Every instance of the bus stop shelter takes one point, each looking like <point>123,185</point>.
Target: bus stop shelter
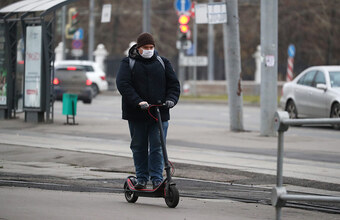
<point>32,21</point>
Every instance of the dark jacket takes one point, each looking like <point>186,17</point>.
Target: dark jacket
<point>147,81</point>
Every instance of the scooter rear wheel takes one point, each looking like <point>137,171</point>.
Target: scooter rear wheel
<point>172,199</point>
<point>129,195</point>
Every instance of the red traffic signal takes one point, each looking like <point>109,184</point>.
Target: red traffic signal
<point>183,19</point>
<point>184,28</point>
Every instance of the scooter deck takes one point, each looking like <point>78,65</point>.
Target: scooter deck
<point>158,192</point>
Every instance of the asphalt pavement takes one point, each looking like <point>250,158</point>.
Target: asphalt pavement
<point>95,153</point>
<point>30,203</point>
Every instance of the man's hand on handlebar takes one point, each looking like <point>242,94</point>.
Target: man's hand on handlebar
<point>169,104</point>
<point>144,105</point>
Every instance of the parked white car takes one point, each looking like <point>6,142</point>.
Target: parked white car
<point>313,93</point>
<point>93,72</point>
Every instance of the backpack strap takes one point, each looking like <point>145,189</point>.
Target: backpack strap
<point>161,61</point>
<point>133,61</point>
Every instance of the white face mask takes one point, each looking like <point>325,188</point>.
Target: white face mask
<point>147,53</point>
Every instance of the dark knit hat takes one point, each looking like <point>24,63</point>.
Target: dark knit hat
<point>144,39</point>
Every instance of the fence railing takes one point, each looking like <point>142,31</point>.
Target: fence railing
<point>279,193</point>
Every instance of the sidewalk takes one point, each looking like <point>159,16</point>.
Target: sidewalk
<point>75,205</point>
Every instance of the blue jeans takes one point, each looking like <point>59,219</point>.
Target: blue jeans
<point>147,149</point>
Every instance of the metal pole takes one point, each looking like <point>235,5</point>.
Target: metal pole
<point>194,89</point>
<point>232,57</point>
<point>63,24</point>
<point>269,39</point>
<point>146,16</point>
<point>278,210</point>
<point>315,198</point>
<point>312,121</point>
<point>181,70</point>
<point>211,39</point>
<point>279,179</point>
<point>91,31</point>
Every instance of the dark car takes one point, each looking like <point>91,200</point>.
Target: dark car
<point>72,80</point>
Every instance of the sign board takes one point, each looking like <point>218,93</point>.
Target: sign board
<point>32,94</point>
<point>106,13</point>
<point>77,44</point>
<point>194,61</point>
<point>217,13</point>
<point>291,50</point>
<point>77,52</point>
<point>270,60</point>
<point>79,34</point>
<point>201,12</point>
<point>182,5</point>
<point>212,13</point>
<point>186,44</point>
<point>3,69</point>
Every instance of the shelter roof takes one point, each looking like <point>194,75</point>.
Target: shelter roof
<point>45,6</point>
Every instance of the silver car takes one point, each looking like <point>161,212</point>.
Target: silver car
<point>313,93</point>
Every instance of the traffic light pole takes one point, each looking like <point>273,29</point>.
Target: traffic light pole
<point>181,69</point>
<point>194,89</point>
<point>91,31</point>
<point>63,32</point>
<point>211,49</point>
<point>146,16</point>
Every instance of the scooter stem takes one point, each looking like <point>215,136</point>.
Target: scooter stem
<point>165,154</point>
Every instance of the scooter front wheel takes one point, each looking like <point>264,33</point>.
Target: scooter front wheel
<point>172,198</point>
<point>129,195</point>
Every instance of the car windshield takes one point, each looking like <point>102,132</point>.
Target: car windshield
<point>335,78</point>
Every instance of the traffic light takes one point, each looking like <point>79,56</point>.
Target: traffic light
<point>72,21</point>
<point>183,21</point>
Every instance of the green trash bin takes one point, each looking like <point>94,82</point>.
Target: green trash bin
<point>70,106</point>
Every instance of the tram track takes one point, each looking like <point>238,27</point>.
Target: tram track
<point>188,188</point>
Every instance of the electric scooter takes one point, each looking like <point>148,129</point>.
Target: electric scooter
<point>167,189</point>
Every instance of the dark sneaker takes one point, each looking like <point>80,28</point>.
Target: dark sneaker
<point>156,183</point>
<point>141,184</point>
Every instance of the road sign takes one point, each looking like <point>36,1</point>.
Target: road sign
<point>290,61</point>
<point>79,34</point>
<point>77,44</point>
<point>217,13</point>
<point>106,13</point>
<point>182,5</point>
<point>77,52</point>
<point>186,44</point>
<point>201,13</point>
<point>192,9</point>
<point>190,51</point>
<point>291,50</point>
<point>212,13</point>
<point>194,61</point>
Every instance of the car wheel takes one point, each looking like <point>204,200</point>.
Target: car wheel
<point>335,113</point>
<point>87,101</point>
<point>291,109</point>
<point>95,89</point>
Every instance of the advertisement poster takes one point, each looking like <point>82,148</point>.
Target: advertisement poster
<point>33,67</point>
<point>3,71</point>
